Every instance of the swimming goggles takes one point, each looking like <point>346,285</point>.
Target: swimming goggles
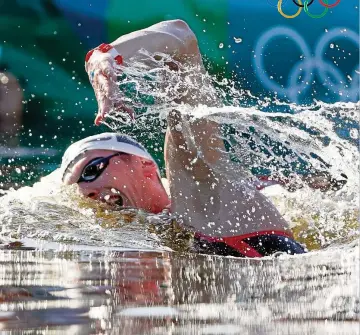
<point>96,167</point>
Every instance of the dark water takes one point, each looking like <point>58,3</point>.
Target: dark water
<point>149,292</point>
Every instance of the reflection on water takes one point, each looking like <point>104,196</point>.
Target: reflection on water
<point>147,292</point>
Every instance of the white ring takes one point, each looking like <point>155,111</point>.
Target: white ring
<point>309,63</point>
<point>259,61</point>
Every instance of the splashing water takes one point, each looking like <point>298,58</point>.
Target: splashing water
<point>310,134</point>
<point>266,137</point>
<point>56,213</point>
<point>263,137</point>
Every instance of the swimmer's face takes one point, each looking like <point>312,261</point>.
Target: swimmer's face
<point>127,180</point>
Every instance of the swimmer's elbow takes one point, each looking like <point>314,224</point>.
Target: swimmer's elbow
<point>186,35</point>
<point>178,23</point>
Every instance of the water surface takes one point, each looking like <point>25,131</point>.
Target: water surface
<point>159,292</point>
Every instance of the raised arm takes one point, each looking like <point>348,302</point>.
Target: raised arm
<point>173,38</point>
<point>190,147</point>
<point>176,39</point>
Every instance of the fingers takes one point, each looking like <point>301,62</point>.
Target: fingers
<point>119,106</point>
<point>102,76</point>
<point>101,97</point>
<point>106,89</point>
<point>107,68</point>
<point>107,101</point>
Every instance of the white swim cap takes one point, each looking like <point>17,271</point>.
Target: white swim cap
<point>104,141</point>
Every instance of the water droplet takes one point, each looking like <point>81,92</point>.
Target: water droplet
<point>237,39</point>
<point>221,45</point>
<point>4,79</point>
<point>354,133</point>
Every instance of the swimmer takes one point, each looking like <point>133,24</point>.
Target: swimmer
<point>229,217</point>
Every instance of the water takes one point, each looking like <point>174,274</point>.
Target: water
<point>148,292</point>
<point>70,265</point>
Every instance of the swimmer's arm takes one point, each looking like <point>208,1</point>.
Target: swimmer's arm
<point>174,38</point>
<point>193,146</point>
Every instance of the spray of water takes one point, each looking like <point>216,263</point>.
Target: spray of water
<point>265,136</point>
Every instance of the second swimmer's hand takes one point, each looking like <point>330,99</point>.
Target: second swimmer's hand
<point>101,69</point>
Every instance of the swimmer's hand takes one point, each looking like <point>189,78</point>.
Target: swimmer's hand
<point>319,180</point>
<point>324,181</point>
<point>101,69</point>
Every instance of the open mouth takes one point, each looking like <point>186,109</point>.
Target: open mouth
<point>116,198</point>
<point>119,202</point>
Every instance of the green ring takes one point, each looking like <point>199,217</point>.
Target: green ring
<point>313,15</point>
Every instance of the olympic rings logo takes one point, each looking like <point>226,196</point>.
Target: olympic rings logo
<point>305,6</point>
<point>312,64</point>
